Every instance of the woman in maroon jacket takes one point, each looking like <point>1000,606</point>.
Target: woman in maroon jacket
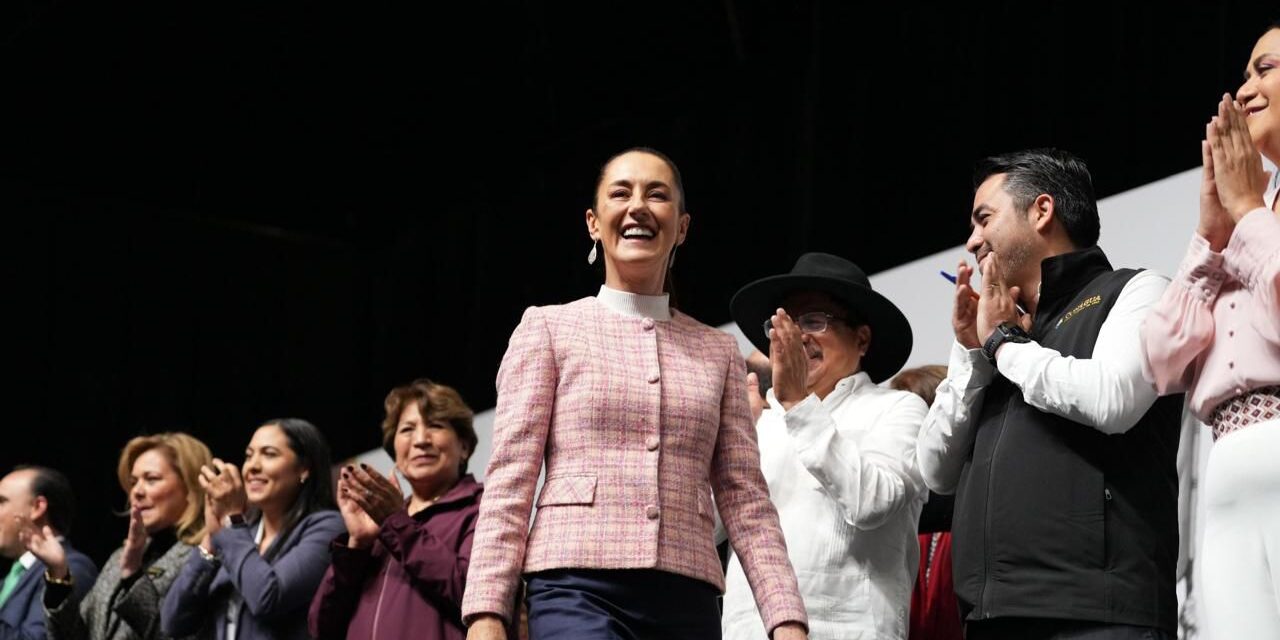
<point>400,570</point>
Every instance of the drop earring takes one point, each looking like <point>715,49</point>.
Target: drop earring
<point>591,257</point>
<point>672,262</point>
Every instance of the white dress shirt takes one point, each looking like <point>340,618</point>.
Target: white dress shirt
<point>1106,392</point>
<point>842,473</point>
<point>27,559</point>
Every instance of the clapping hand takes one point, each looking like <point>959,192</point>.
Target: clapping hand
<point>997,303</point>
<point>224,492</point>
<point>361,529</point>
<point>964,315</point>
<point>376,495</point>
<point>134,544</point>
<point>790,362</point>
<point>44,545</point>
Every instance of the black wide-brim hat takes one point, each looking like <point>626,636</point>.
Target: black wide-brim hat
<point>848,284</point>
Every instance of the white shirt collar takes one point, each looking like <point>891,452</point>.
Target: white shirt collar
<point>635,305</point>
<point>26,560</point>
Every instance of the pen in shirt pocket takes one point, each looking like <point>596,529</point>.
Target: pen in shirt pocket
<point>952,279</point>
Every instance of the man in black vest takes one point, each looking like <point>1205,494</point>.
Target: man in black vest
<point>1060,455</point>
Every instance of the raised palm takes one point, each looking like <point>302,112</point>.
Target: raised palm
<point>134,544</point>
<point>45,546</point>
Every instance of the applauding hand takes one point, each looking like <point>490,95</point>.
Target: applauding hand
<point>44,545</point>
<point>375,494</point>
<point>134,544</point>
<point>790,363</point>
<point>361,529</point>
<point>997,303</point>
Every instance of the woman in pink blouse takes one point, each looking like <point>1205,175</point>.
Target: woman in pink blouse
<point>1216,335</point>
<point>639,412</point>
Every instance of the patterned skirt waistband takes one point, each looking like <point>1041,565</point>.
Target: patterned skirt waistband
<point>1251,407</point>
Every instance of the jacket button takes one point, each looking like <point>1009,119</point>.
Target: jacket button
<point>648,324</point>
<point>653,376</point>
<point>651,443</point>
<point>651,512</point>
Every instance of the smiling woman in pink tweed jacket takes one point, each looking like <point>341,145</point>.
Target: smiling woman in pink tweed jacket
<point>641,414</point>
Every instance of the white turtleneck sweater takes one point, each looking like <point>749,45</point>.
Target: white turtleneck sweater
<point>635,305</point>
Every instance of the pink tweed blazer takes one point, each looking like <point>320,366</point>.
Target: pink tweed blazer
<point>639,421</point>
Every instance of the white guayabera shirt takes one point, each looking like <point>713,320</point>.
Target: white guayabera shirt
<point>842,474</point>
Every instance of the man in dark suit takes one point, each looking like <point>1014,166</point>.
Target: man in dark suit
<point>37,497</point>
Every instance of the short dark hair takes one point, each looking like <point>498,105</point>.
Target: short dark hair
<point>1049,171</point>
<point>436,403</point>
<point>55,488</point>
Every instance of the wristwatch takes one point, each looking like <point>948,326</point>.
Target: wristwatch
<point>1005,332</point>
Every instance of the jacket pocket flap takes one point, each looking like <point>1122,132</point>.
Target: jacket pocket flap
<point>706,505</point>
<point>579,489</point>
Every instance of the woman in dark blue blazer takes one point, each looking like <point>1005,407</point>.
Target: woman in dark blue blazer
<point>267,542</point>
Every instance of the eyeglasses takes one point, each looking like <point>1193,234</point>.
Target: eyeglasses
<point>814,322</point>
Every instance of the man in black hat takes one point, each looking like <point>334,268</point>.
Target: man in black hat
<point>1059,454</point>
<point>837,450</point>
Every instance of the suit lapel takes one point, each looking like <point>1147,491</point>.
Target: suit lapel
<point>21,592</point>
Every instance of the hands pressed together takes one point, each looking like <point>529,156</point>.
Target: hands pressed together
<point>1233,180</point>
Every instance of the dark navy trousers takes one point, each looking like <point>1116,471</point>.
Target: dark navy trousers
<point>621,604</point>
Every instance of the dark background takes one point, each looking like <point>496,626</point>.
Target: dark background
<point>220,213</point>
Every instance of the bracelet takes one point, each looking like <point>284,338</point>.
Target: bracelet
<point>204,553</point>
<point>66,582</point>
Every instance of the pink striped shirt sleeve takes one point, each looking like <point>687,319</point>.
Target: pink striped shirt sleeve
<point>1216,331</point>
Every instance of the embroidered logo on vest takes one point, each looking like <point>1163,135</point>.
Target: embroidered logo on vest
<point>1081,307</point>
